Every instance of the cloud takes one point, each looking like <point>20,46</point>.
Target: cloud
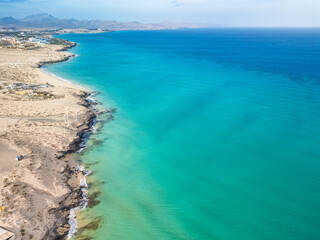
<point>12,1</point>
<point>225,12</point>
<point>177,3</point>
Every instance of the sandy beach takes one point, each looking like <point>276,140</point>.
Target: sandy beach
<point>42,119</point>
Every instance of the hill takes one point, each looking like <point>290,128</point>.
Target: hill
<point>47,21</point>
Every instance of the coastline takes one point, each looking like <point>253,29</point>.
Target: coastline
<point>46,131</point>
<point>64,80</point>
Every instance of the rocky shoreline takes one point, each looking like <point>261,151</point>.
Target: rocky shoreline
<point>75,197</point>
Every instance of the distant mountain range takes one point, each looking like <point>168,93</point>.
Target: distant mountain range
<point>47,21</point>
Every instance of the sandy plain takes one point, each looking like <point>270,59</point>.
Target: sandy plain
<point>43,119</point>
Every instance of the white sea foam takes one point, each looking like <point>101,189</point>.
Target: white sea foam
<point>72,216</point>
<point>72,222</point>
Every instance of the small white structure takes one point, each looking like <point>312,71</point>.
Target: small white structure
<point>5,234</point>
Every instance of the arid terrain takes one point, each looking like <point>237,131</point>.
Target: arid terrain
<point>42,119</point>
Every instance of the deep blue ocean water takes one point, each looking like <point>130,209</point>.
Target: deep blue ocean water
<point>216,135</point>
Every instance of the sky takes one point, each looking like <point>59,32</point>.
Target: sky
<point>237,13</point>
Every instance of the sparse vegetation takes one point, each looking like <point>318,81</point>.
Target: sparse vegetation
<point>59,41</point>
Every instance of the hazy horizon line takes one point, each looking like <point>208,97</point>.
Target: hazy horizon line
<point>205,24</point>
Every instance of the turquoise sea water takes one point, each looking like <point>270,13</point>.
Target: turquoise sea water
<point>217,133</point>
